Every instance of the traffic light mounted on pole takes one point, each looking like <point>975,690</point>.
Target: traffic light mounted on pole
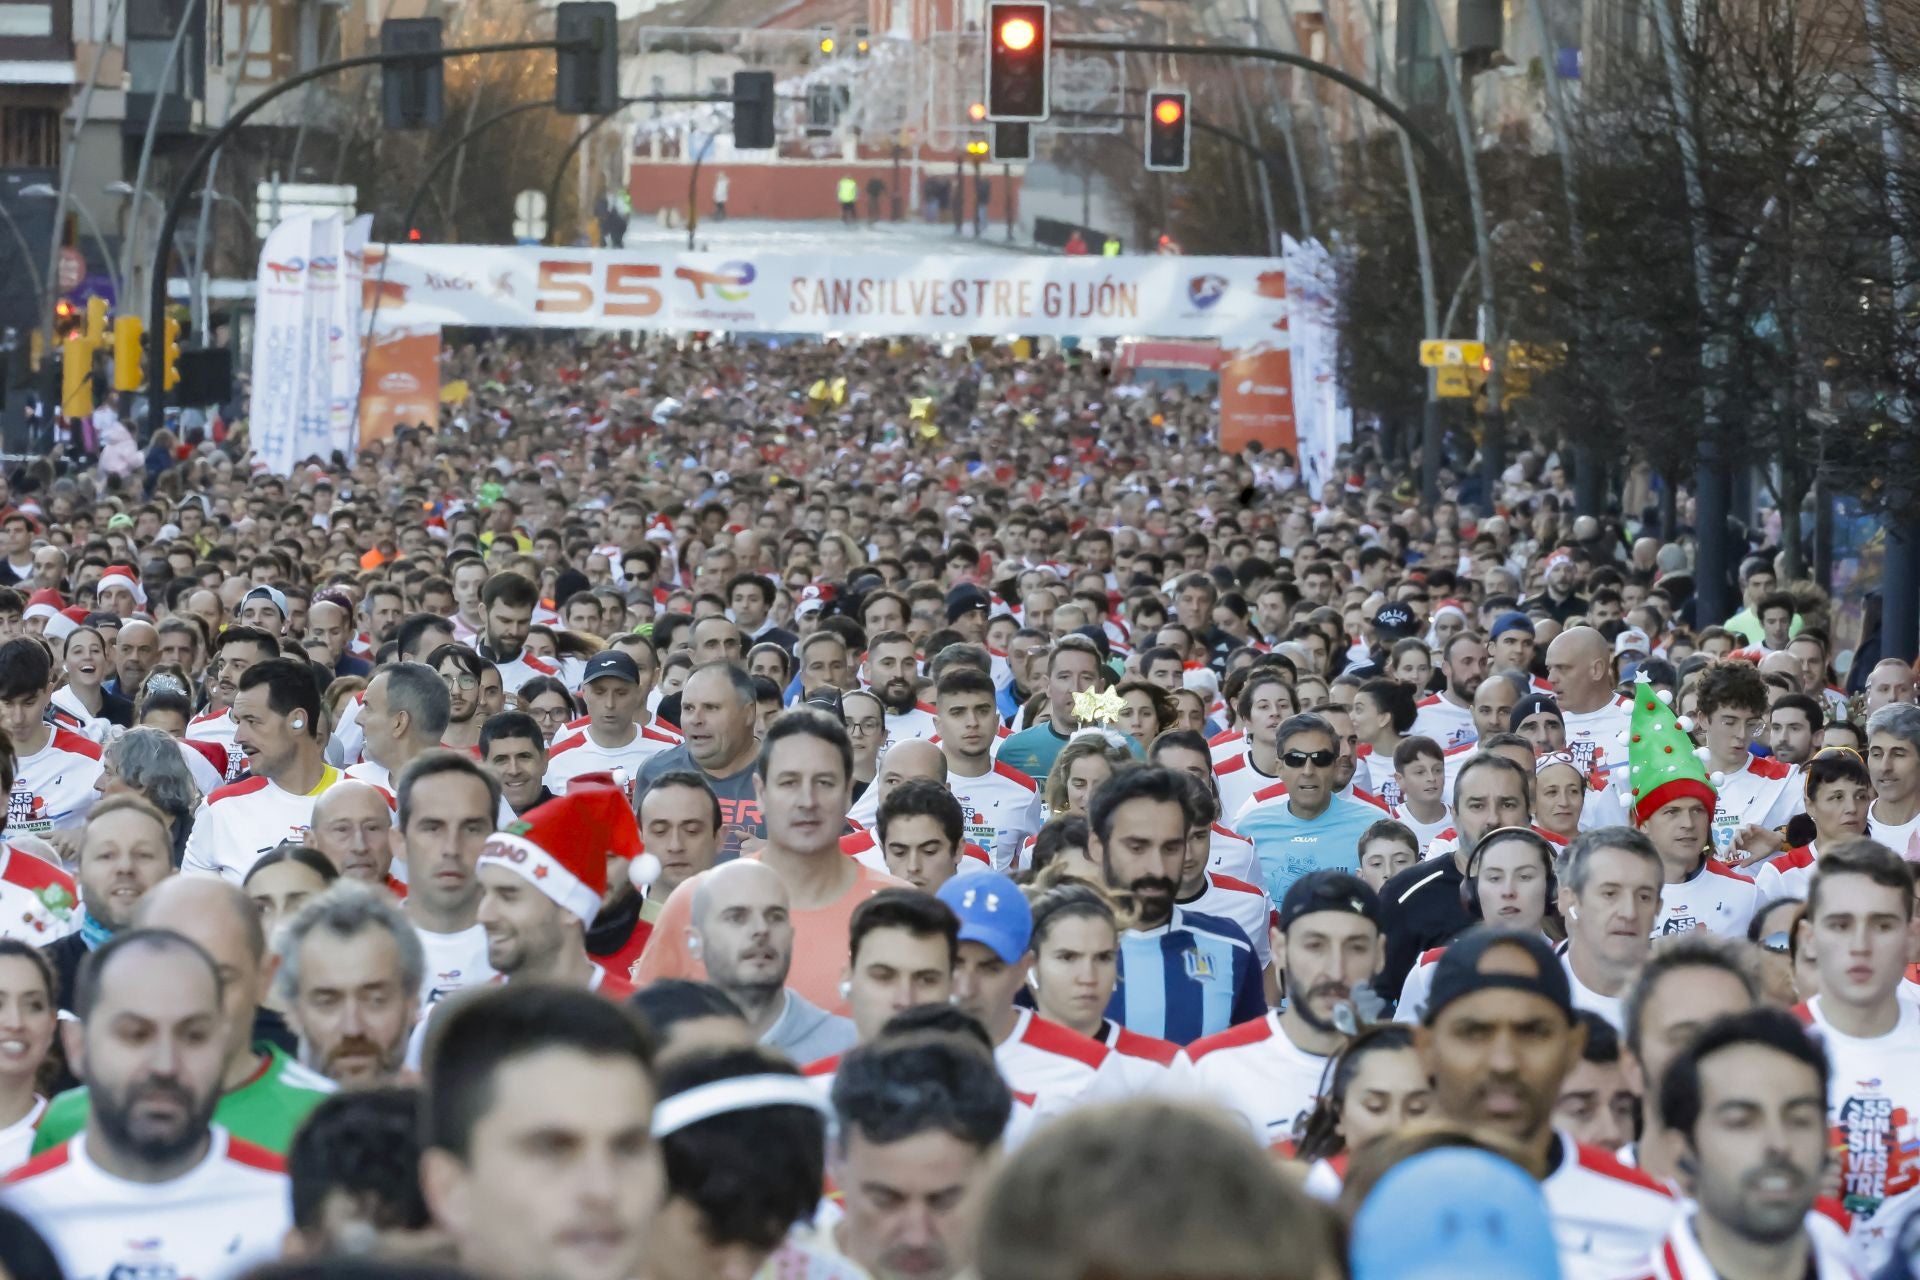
<point>1169,127</point>
<point>76,377</point>
<point>170,359</point>
<point>587,63</point>
<point>1012,141</point>
<point>412,94</point>
<point>753,110</point>
<point>128,337</point>
<point>1019,42</point>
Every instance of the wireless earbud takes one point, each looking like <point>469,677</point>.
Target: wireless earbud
<point>846,988</point>
<point>299,723</point>
<point>1033,980</point>
<point>1573,913</point>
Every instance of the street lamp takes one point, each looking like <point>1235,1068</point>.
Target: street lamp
<point>45,191</point>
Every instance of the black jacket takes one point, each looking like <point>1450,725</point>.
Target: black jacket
<point>1421,908</point>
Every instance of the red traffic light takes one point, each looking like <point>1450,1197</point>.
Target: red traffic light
<point>413,233</point>
<point>1017,53</point>
<point>1018,34</point>
<point>1168,111</point>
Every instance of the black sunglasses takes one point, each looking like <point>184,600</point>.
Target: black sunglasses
<point>1300,759</point>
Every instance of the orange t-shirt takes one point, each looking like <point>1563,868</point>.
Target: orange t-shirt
<point>819,940</point>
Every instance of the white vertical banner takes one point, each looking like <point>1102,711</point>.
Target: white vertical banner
<point>279,308</point>
<point>313,433</point>
<point>1322,424</point>
<point>345,342</point>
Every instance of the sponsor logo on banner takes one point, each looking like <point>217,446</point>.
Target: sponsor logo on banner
<point>399,382</point>
<point>729,282</point>
<point>1206,291</point>
<point>1256,400</point>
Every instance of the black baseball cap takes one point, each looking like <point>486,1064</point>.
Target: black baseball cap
<point>964,599</point>
<point>1532,705</point>
<point>613,663</point>
<point>1329,891</point>
<point>1395,619</point>
<point>1462,970</point>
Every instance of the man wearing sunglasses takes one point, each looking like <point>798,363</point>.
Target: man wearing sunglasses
<point>1310,826</point>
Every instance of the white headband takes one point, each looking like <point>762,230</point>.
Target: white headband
<point>740,1093</point>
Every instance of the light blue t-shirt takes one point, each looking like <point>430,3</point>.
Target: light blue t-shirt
<point>1289,847</point>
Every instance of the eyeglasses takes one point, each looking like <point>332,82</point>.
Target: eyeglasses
<point>1778,944</point>
<point>1300,759</point>
<point>461,682</point>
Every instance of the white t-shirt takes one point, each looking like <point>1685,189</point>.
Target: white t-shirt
<point>1001,808</point>
<point>1902,838</point>
<point>1607,1217</point>
<point>915,723</point>
<point>217,726</point>
<point>53,787</point>
<point>1239,779</point>
<point>1597,742</point>
<point>242,821</point>
<point>349,739</point>
<point>1255,1071</point>
<point>1717,896</point>
<point>576,753</point>
<point>1241,902</point>
<point>455,961</point>
<point>1612,1008</point>
<point>1231,854</point>
<point>16,1140</point>
<point>1226,745</point>
<point>1763,792</point>
<point>1443,720</point>
<point>1373,770</point>
<point>220,1218</point>
<point>1150,1066</point>
<point>1873,1107</point>
<point>522,669</point>
<point>1058,1067</point>
<point>1789,875</point>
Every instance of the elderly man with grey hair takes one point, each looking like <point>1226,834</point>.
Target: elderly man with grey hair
<point>404,714</point>
<point>742,927</point>
<point>350,970</point>
<point>1893,761</point>
<point>150,764</point>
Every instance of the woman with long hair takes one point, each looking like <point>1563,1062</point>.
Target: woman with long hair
<point>1383,714</point>
<point>85,696</point>
<point>1374,1086</point>
<point>28,1015</point>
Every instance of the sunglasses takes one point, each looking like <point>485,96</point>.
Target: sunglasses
<point>1778,944</point>
<point>1300,759</point>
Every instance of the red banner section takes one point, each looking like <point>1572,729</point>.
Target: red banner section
<point>1256,401</point>
<point>402,383</point>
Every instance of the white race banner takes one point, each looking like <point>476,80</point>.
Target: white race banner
<point>540,287</point>
<point>346,344</point>
<point>306,350</point>
<point>280,301</point>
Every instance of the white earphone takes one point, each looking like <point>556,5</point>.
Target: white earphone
<point>846,988</point>
<point>1573,913</point>
<point>299,723</point>
<point>1033,980</point>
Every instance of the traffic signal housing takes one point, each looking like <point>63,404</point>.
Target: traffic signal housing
<point>586,78</point>
<point>412,93</point>
<point>170,360</point>
<point>1019,41</point>
<point>96,321</point>
<point>129,336</point>
<point>753,110</point>
<point>1168,129</point>
<point>1012,141</point>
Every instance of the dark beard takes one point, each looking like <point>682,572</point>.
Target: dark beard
<point>113,1115</point>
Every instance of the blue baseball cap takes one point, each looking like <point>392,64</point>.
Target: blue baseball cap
<point>1457,1211</point>
<point>993,912</point>
<point>1510,621</point>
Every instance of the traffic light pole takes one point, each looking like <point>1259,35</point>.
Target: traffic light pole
<point>1456,184</point>
<point>176,204</point>
<point>566,157</point>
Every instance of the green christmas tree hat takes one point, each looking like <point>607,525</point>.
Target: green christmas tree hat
<point>1661,763</point>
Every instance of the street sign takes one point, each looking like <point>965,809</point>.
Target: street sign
<point>1439,353</point>
<point>73,269</point>
<point>1453,383</point>
<point>530,205</point>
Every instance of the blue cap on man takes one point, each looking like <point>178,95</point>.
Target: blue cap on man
<point>993,912</point>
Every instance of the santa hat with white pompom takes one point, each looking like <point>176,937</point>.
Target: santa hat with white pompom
<point>561,847</point>
<point>1662,766</point>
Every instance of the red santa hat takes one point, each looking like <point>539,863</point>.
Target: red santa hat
<point>120,575</point>
<point>44,603</point>
<point>560,847</point>
<point>619,829</point>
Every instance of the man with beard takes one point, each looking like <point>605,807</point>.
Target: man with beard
<point>508,602</point>
<point>349,976</point>
<point>1447,716</point>
<point>1498,1039</point>
<point>153,1186</point>
<point>892,673</point>
<point>743,930</point>
<point>1747,1098</point>
<point>1183,975</point>
<point>264,1094</point>
<point>1270,1071</point>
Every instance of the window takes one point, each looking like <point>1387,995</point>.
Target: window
<point>30,137</point>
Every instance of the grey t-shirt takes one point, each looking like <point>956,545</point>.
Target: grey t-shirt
<point>740,817</point>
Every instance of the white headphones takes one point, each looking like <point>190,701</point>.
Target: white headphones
<point>1033,979</point>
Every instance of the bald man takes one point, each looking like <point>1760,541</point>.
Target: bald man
<point>901,762</point>
<point>742,927</point>
<point>1580,668</point>
<point>265,1094</point>
<point>353,827</point>
<point>135,651</point>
